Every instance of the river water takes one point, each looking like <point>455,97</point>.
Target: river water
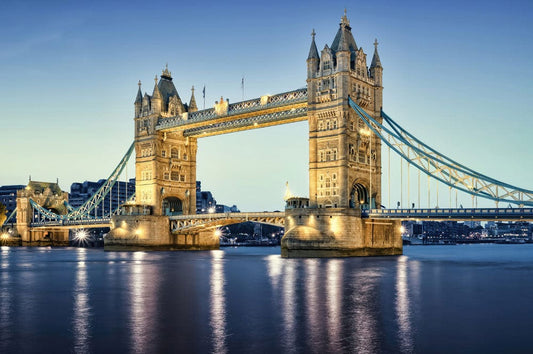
<point>434,299</point>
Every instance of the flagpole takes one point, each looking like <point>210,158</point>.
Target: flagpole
<point>242,87</point>
<point>203,92</point>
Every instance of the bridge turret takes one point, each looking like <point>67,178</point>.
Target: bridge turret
<point>313,59</point>
<point>376,70</point>
<point>192,103</point>
<point>138,101</point>
<point>156,98</point>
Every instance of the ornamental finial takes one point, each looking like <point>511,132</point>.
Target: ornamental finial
<point>166,72</point>
<point>344,19</point>
<point>139,84</point>
<point>376,43</point>
<point>155,79</point>
<point>313,33</point>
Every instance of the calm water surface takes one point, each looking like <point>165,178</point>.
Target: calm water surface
<point>434,299</point>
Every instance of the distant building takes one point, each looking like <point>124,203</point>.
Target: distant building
<point>8,197</point>
<point>120,193</point>
<point>221,208</point>
<point>206,203</point>
<point>204,200</point>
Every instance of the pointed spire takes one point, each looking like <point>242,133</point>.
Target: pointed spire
<point>375,59</point>
<point>313,52</point>
<point>192,103</point>
<point>156,93</point>
<point>139,97</point>
<point>344,45</point>
<point>344,38</point>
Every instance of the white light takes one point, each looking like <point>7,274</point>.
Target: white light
<point>218,233</point>
<point>81,235</point>
<point>211,210</point>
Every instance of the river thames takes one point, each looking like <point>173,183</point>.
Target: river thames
<point>438,299</point>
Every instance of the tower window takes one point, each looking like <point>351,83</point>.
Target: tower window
<point>174,153</point>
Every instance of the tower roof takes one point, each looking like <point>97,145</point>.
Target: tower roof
<point>313,52</point>
<point>192,104</point>
<point>139,97</point>
<point>344,39</point>
<point>166,86</point>
<point>156,93</point>
<point>375,59</point>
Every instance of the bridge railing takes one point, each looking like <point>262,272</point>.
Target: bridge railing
<point>451,213</point>
<point>282,99</point>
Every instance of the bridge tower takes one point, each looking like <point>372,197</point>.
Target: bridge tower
<point>49,196</point>
<point>344,156</point>
<point>165,163</point>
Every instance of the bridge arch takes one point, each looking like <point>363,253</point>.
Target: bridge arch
<point>172,206</point>
<point>359,196</point>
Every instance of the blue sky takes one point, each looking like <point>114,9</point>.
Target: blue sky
<point>456,74</point>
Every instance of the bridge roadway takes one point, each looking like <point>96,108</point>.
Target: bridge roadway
<point>192,223</point>
<point>438,214</point>
<point>74,224</point>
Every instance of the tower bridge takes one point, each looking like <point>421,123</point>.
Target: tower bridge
<point>342,103</point>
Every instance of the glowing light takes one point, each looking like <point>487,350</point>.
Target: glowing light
<point>211,210</point>
<point>365,132</point>
<point>81,236</point>
<point>218,233</point>
<point>5,236</point>
<point>402,229</point>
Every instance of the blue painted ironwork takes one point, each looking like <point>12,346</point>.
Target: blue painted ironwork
<point>11,216</point>
<point>439,166</point>
<point>507,214</point>
<point>278,100</point>
<point>84,211</point>
<point>247,122</point>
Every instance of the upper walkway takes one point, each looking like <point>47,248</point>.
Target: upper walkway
<point>260,112</point>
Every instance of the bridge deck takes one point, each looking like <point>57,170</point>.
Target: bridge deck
<point>504,214</point>
<point>191,223</point>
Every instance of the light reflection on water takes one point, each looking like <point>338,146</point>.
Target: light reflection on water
<point>198,302</point>
<point>363,320</point>
<point>334,299</point>
<point>5,301</point>
<point>81,307</point>
<point>217,302</point>
<point>402,306</point>
<point>143,302</point>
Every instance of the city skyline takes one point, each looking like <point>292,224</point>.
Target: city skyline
<point>70,74</point>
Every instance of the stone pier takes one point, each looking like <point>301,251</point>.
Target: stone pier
<point>338,232</point>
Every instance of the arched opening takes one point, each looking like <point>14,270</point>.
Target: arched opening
<point>359,197</point>
<point>172,206</point>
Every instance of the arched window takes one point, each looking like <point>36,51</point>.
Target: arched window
<point>174,175</point>
<point>174,153</point>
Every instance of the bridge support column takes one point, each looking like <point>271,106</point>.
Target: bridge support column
<point>137,232</point>
<point>338,232</point>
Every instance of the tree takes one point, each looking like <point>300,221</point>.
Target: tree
<point>3,215</point>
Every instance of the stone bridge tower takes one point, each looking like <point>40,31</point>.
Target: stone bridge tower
<point>165,163</point>
<point>49,196</point>
<point>344,158</point>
